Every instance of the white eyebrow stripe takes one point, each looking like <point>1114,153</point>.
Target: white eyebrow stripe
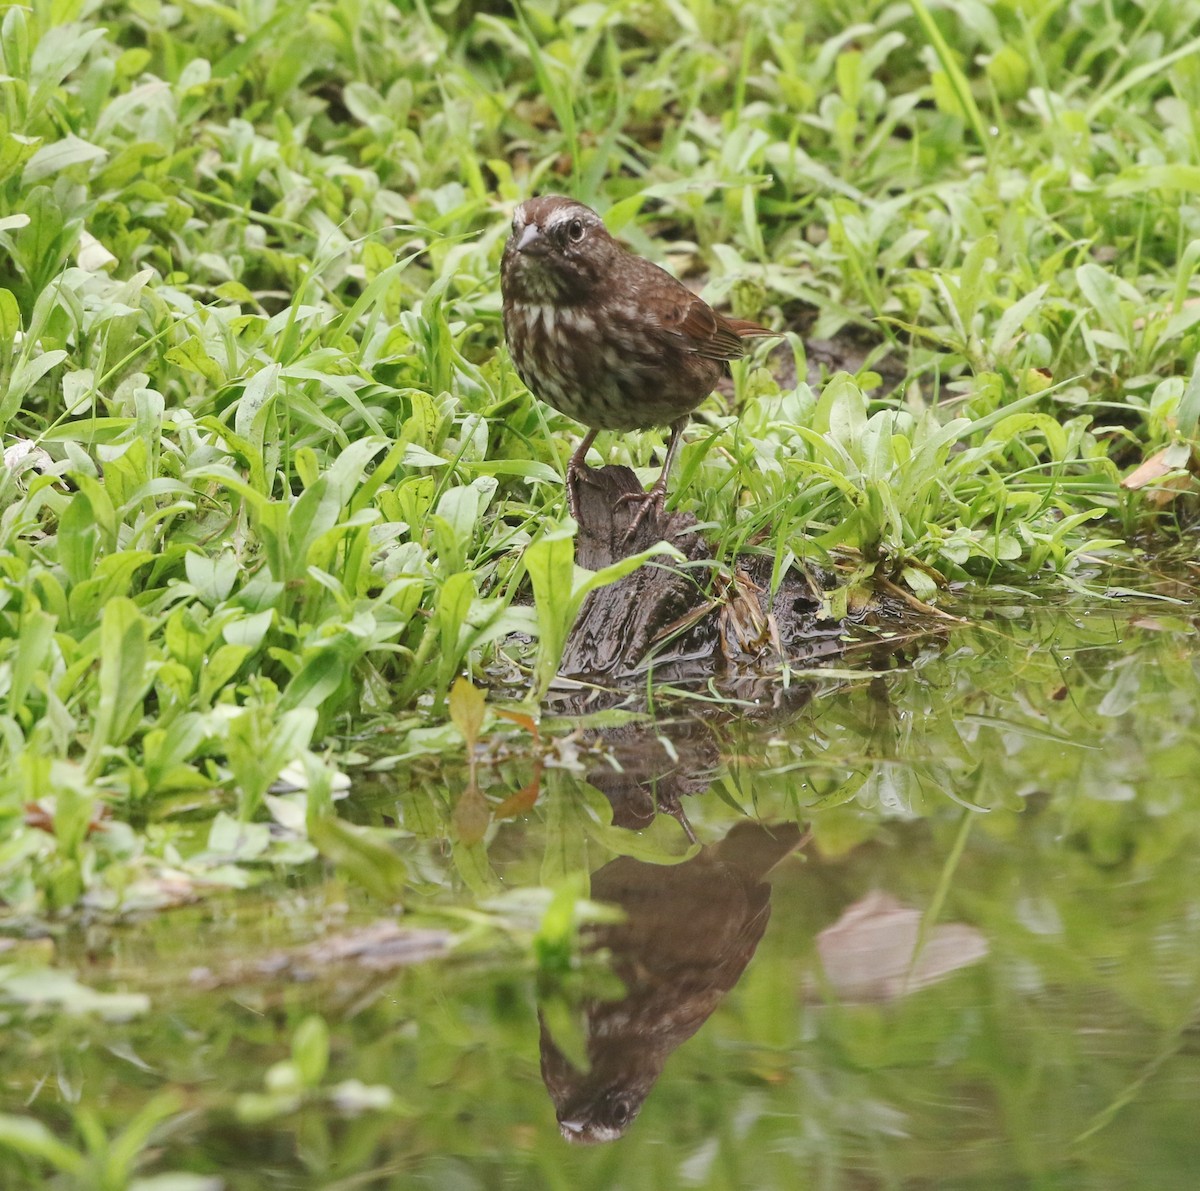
<point>566,214</point>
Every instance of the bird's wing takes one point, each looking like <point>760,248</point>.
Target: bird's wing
<point>703,330</point>
<point>688,322</point>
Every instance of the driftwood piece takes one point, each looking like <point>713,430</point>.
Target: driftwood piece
<point>687,621</point>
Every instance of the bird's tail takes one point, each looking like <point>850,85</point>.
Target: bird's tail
<point>756,848</point>
<point>747,329</point>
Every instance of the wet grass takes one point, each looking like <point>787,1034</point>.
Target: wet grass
<point>275,508</point>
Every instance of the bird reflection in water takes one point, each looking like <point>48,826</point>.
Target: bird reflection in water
<point>689,932</point>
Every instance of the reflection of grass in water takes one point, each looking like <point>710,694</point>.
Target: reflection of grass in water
<point>1057,1048</point>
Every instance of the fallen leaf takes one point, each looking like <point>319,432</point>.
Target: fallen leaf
<point>871,952</point>
<point>471,815</point>
<point>1159,464</point>
<point>523,800</point>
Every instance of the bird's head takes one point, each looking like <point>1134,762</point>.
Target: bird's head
<point>559,250</point>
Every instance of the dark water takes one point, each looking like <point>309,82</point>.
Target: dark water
<point>942,929</point>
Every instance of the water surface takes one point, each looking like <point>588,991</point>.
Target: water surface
<point>939,928</point>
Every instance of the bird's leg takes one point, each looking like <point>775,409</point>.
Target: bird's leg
<point>577,469</point>
<point>658,490</point>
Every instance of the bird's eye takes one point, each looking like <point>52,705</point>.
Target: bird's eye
<point>575,230</point>
<point>621,1111</point>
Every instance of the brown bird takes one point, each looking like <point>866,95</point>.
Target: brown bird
<point>689,932</point>
<point>607,337</point>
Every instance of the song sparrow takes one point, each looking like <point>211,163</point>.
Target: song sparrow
<point>689,932</point>
<point>607,337</point>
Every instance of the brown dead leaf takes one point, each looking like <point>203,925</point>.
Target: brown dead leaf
<point>471,815</point>
<point>1169,489</point>
<point>523,800</point>
<point>1160,464</point>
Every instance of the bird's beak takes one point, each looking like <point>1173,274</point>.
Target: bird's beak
<point>531,239</point>
<point>572,1128</point>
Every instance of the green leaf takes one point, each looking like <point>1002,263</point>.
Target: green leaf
<point>310,1050</point>
<point>60,155</point>
<point>24,377</point>
<point>10,319</point>
<point>1014,317</point>
<point>27,1136</point>
<point>123,678</point>
<point>260,742</point>
<point>958,84</point>
<point>213,578</point>
<point>559,589</point>
<point>1141,178</point>
<point>254,404</point>
<point>1188,414</point>
<point>33,647</point>
<point>361,855</point>
<point>320,676</point>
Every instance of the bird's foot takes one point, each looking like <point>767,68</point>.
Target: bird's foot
<point>653,499</point>
<point>577,473</point>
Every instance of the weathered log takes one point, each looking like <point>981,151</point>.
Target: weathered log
<point>683,618</point>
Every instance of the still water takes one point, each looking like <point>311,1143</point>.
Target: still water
<point>939,927</point>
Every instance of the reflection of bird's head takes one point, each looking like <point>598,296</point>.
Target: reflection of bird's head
<point>604,1116</point>
<point>600,1104</point>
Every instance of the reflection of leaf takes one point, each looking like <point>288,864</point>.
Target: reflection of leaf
<point>875,950</point>
<point>310,1049</point>
<point>523,800</point>
<point>382,946</point>
<point>471,860</point>
<point>27,1136</point>
<point>565,1026</point>
<point>352,1097</point>
<point>662,842</point>
<point>471,815</point>
<point>566,851</point>
<point>357,853</point>
<point>521,718</point>
<point>40,988</point>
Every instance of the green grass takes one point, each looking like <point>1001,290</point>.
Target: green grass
<point>274,485</point>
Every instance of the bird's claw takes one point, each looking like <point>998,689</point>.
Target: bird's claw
<point>649,500</point>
